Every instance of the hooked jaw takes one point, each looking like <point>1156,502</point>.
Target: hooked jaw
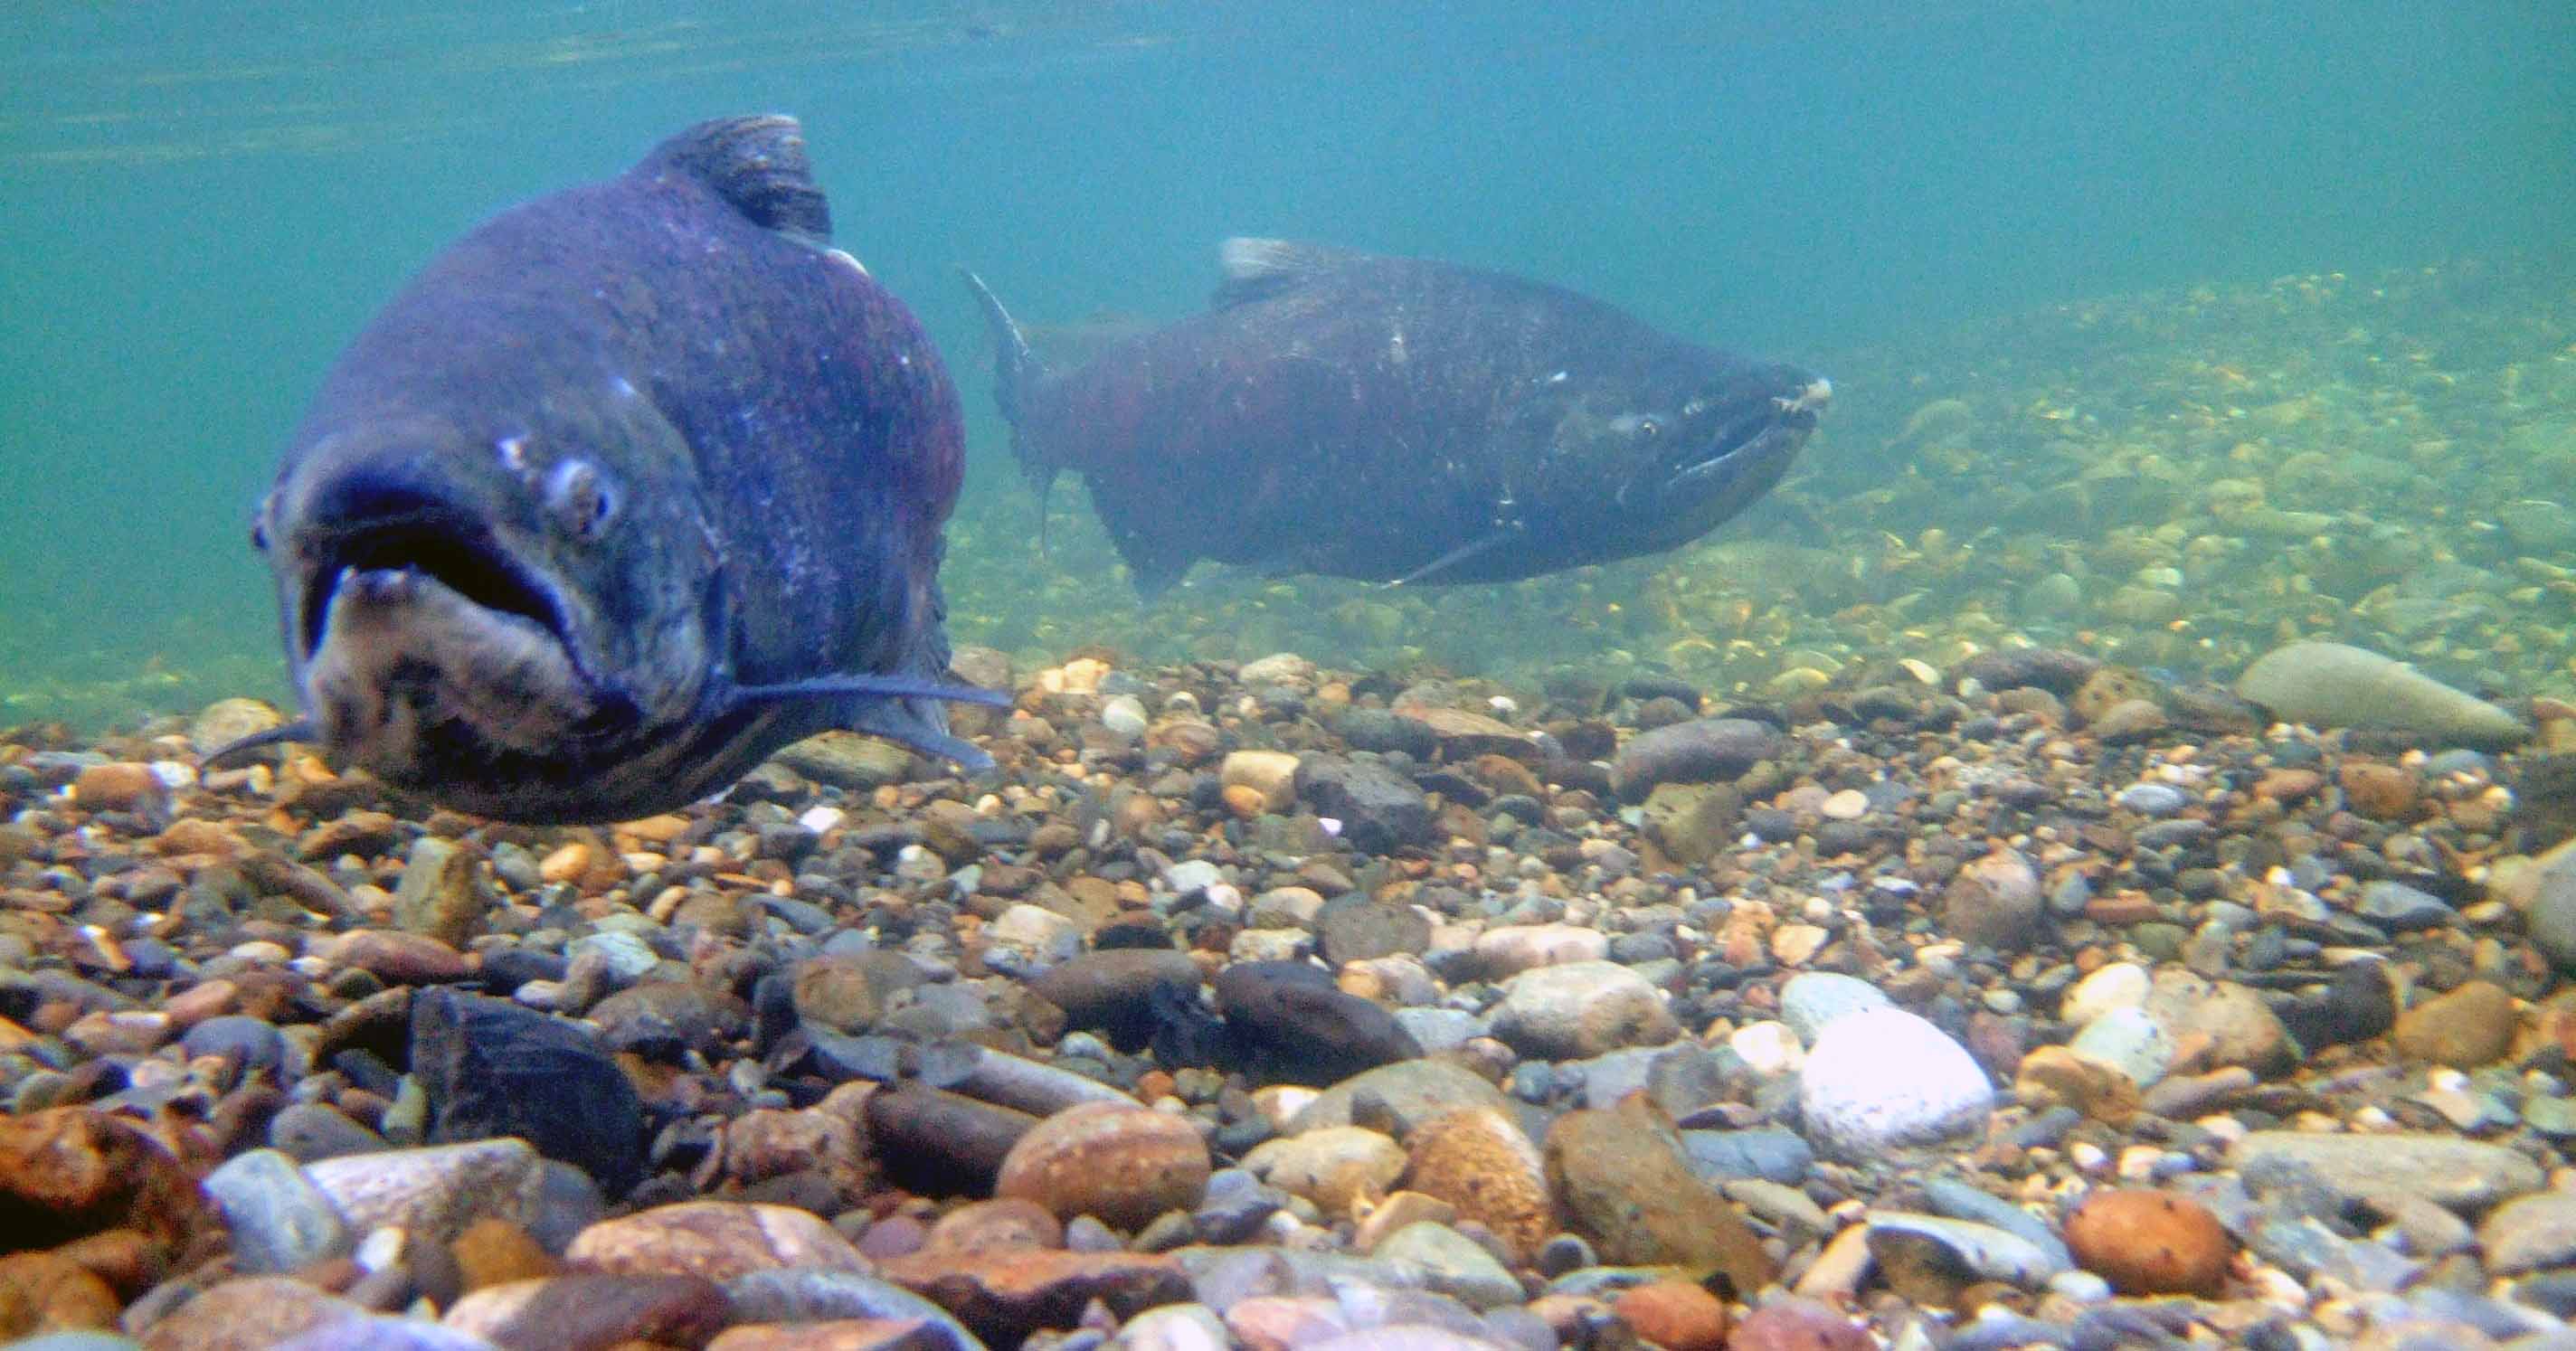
<point>1760,441</point>
<point>411,616</point>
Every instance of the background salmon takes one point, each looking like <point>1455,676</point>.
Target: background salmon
<point>1399,419</point>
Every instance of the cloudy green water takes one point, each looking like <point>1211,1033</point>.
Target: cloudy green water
<point>200,202</point>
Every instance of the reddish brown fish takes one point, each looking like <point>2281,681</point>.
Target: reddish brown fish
<point>1399,419</point>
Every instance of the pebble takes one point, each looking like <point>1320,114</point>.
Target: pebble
<point>491,1069</point>
<point>2238,1025</point>
<point>1332,1166</point>
<point>1406,1096</point>
<point>2471,1026</point>
<point>2153,799</point>
<point>2149,1243</point>
<point>279,1221</point>
<point>1930,1258</point>
<point>2114,986</point>
<point>1812,999</point>
<point>1994,902</point>
<point>2337,685</point>
<point>435,1191</point>
<point>1270,774</point>
<point>2126,1038</point>
<point>1513,948</point>
<point>1581,1009</point>
<point>1626,1186</point>
<point>586,1309</point>
<point>257,1313</point>
<point>1800,1325</point>
<point>718,1240</point>
<point>1453,1264</point>
<point>1480,1163</point>
<point>1122,1164</point>
<point>1675,1315</point>
<point>2396,1167</point>
<point>1882,1078</point>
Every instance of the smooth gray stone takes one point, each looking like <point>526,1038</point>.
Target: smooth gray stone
<point>280,1221</point>
<point>1992,1253</point>
<point>1768,1152</point>
<point>1959,1201</point>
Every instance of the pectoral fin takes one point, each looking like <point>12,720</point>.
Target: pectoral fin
<point>302,729</point>
<point>1461,554</point>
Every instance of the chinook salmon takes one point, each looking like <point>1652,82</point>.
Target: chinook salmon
<point>628,488</point>
<point>1398,419</point>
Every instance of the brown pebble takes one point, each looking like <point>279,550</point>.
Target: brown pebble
<point>1244,800</point>
<point>2289,785</point>
<point>586,1309</point>
<point>1675,1315</point>
<point>998,1225</point>
<point>2471,1026</point>
<point>2381,792</point>
<point>839,1334</point>
<point>398,958</point>
<point>40,1292</point>
<point>715,1239</point>
<point>1799,1325</point>
<point>494,1251</point>
<point>1123,1165</point>
<point>2147,1242</point>
<point>120,786</point>
<point>1480,1162</point>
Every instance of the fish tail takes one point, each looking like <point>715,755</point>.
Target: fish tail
<point>1016,369</point>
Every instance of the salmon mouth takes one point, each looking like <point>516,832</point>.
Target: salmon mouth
<point>391,563</point>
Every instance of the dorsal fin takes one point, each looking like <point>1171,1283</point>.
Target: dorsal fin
<point>757,165</point>
<point>1258,268</point>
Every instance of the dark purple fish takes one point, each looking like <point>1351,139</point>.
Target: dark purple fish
<point>629,487</point>
<point>1399,419</point>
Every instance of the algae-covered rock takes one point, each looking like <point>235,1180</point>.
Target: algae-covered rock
<point>2335,685</point>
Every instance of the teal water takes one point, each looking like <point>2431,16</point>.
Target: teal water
<point>201,202</point>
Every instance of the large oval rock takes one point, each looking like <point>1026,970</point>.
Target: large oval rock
<point>1580,1010</point>
<point>1699,751</point>
<point>2335,685</point>
<point>1882,1078</point>
<point>1123,1165</point>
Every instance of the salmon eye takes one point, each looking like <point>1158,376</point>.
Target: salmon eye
<point>1649,428</point>
<point>580,499</point>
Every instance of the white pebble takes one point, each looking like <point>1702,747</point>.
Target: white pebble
<point>1124,717</point>
<point>1770,1047</point>
<point>2087,1156</point>
<point>1884,1077</point>
<point>2119,985</point>
<point>821,820</point>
